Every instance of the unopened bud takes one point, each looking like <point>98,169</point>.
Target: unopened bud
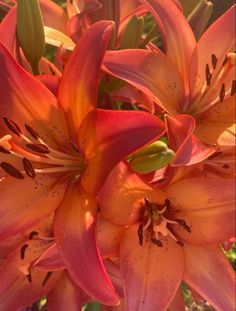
<point>131,36</point>
<point>151,158</point>
<point>30,32</point>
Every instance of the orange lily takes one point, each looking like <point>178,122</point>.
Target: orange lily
<point>161,236</point>
<point>58,154</point>
<point>191,78</point>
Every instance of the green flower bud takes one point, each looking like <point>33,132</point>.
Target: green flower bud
<point>151,158</point>
<point>30,32</point>
<point>132,33</point>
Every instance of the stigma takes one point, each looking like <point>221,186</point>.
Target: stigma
<point>36,155</point>
<point>156,225</point>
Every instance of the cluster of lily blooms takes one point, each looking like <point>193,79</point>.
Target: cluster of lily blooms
<point>117,158</point>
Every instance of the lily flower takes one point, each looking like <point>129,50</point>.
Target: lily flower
<point>55,153</point>
<point>190,78</point>
<point>164,237</point>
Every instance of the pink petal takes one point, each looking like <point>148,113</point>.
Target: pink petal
<point>188,148</point>
<point>74,229</point>
<point>151,275</point>
<point>208,271</point>
<point>79,82</point>
<point>106,137</point>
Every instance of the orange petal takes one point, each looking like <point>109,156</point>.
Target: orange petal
<point>122,196</point>
<point>150,274</point>
<point>21,209</point>
<point>176,32</point>
<point>188,148</point>
<point>218,124</point>
<point>79,83</point>
<point>207,204</point>
<point>74,229</point>
<point>213,278</point>
<point>65,294</point>
<point>106,137</point>
<point>26,101</point>
<point>150,72</point>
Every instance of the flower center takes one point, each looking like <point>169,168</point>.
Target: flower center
<point>36,155</point>
<point>157,225</point>
<point>215,83</point>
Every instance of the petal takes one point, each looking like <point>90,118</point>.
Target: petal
<point>188,148</point>
<point>150,72</point>
<point>65,294</point>
<point>8,31</point>
<point>106,137</point>
<point>207,204</point>
<point>122,196</point>
<point>50,260</point>
<point>58,38</point>
<point>218,125</point>
<point>51,82</point>
<point>25,100</point>
<point>218,39</point>
<point>74,229</point>
<point>177,304</point>
<point>213,279</point>
<point>79,83</point>
<point>21,209</point>
<point>176,33</point>
<point>151,275</point>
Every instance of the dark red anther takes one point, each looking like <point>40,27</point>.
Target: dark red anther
<point>11,170</point>
<point>233,88</point>
<point>29,277</point>
<point>28,167</point>
<point>157,242</point>
<point>140,234</point>
<point>48,275</point>
<point>12,126</point>
<point>32,234</point>
<point>32,132</point>
<point>183,224</point>
<point>225,60</point>
<point>208,75</point>
<point>214,61</point>
<point>22,251</point>
<point>39,148</point>
<point>222,93</point>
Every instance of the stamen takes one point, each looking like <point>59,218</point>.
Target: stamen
<point>32,132</point>
<point>157,242</point>
<point>222,93</point>
<point>3,150</point>
<point>183,224</point>
<point>225,60</point>
<point>208,75</point>
<point>12,126</point>
<point>28,167</point>
<point>32,234</point>
<point>48,275</point>
<point>40,148</point>
<point>22,251</point>
<point>29,277</point>
<point>214,61</point>
<point>11,170</point>
<point>233,88</point>
<point>140,234</point>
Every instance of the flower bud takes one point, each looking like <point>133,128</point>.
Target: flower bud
<point>30,32</point>
<point>132,34</point>
<point>151,158</point>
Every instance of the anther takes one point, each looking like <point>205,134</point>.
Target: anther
<point>48,275</point>
<point>11,170</point>
<point>225,60</point>
<point>208,75</point>
<point>22,251</point>
<point>39,148</point>
<point>29,277</point>
<point>233,88</point>
<point>214,61</point>
<point>12,126</point>
<point>214,155</point>
<point>32,132</point>
<point>3,150</point>
<point>32,234</point>
<point>140,234</point>
<point>183,224</point>
<point>157,242</point>
<point>222,93</point>
<point>28,167</point>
